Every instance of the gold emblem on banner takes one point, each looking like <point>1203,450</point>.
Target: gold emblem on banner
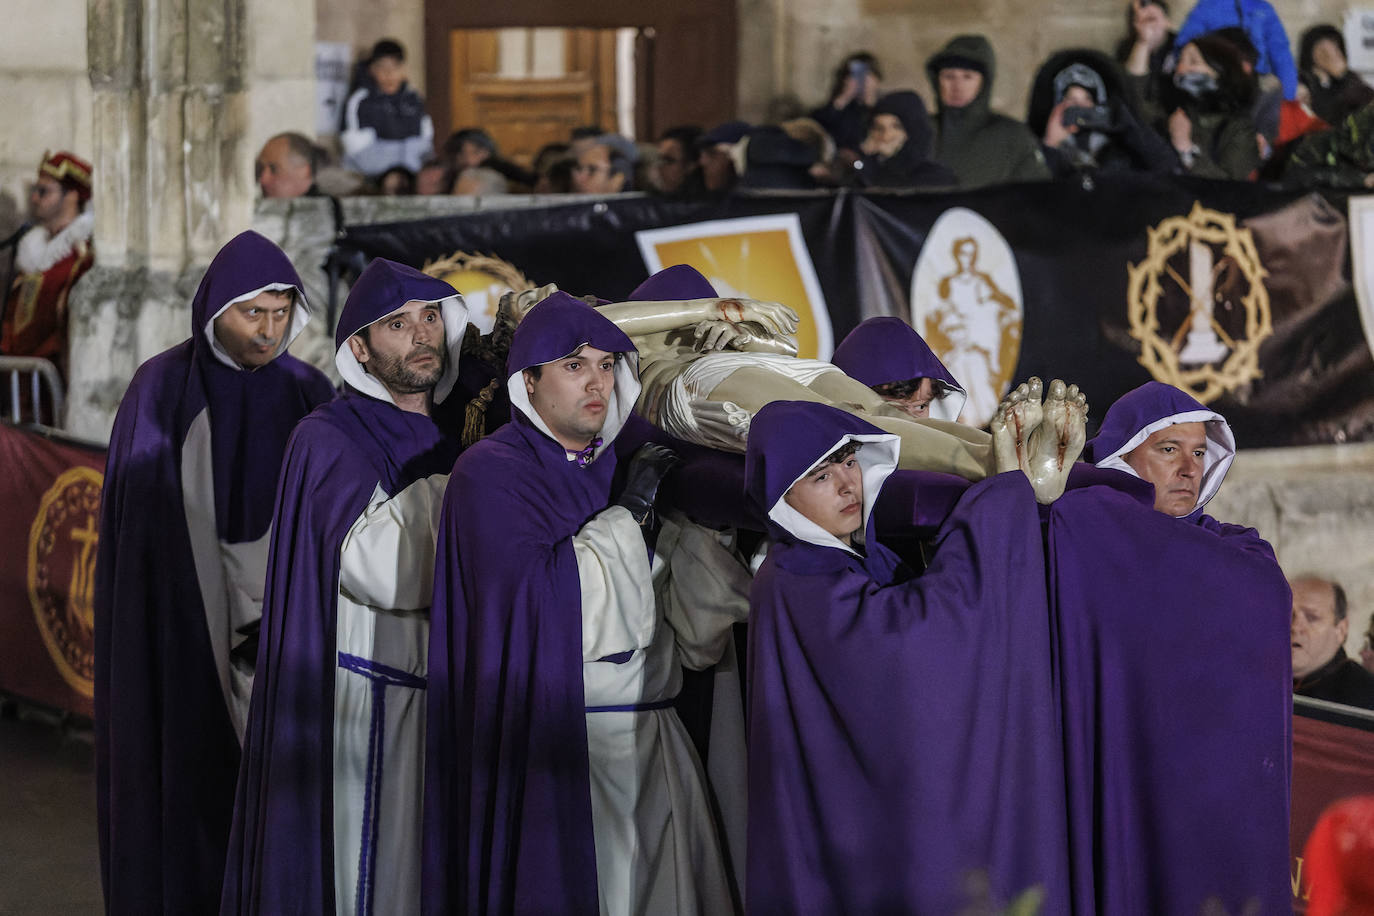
<point>61,573</point>
<point>1200,332</point>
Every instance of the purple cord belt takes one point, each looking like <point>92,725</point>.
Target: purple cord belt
<point>636,707</point>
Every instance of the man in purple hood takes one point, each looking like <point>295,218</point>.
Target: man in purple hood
<point>327,817</point>
<point>1173,641</point>
<point>185,518</point>
<point>1166,438</point>
<point>903,749</point>
<point>559,779</point>
<point>887,355</point>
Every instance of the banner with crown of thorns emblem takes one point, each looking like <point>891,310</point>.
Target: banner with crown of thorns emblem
<point>1213,345</point>
<point>1239,293</point>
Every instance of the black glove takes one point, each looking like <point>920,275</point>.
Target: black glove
<point>647,468</point>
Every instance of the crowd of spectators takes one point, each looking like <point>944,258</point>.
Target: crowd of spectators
<point>1221,97</point>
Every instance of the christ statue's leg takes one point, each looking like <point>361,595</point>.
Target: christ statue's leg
<point>1058,442</point>
<point>1017,417</point>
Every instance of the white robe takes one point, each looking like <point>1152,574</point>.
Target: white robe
<point>386,583</point>
<point>231,576</point>
<point>658,850</point>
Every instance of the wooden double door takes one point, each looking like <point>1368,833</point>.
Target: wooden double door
<point>680,59</point>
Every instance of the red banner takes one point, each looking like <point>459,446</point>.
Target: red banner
<point>1330,762</point>
<point>50,494</point>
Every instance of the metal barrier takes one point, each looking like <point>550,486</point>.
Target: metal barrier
<point>27,376</point>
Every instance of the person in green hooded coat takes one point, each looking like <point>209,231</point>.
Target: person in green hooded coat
<point>979,145</point>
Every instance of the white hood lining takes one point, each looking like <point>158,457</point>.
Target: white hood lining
<point>877,460</point>
<point>455,314</point>
<point>948,402</point>
<point>1221,450</point>
<point>619,403</point>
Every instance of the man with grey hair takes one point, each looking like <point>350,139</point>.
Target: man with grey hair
<point>1321,669</point>
<point>480,181</point>
<point>286,166</point>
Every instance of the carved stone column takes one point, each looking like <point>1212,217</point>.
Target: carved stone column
<point>176,86</point>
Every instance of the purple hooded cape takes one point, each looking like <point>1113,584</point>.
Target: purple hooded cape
<point>901,732</point>
<point>1175,676</point>
<point>281,852</point>
<point>882,350</point>
<point>1154,406</point>
<point>166,750</point>
<point>508,824</point>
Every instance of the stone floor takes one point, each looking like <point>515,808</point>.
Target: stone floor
<point>49,861</point>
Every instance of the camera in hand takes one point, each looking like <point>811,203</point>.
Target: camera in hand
<point>1099,117</point>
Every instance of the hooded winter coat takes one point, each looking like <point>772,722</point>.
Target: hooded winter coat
<point>1223,132</point>
<point>911,165</point>
<point>1333,100</point>
<point>1126,145</point>
<point>979,145</point>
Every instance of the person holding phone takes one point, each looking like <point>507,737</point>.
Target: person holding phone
<point>853,93</point>
<point>1087,120</point>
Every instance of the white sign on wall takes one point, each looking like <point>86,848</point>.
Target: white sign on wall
<point>1359,41</point>
<point>333,60</point>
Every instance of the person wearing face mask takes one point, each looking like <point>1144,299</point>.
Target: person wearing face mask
<point>1209,125</point>
<point>1087,119</point>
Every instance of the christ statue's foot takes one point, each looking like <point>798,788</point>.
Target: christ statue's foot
<point>1058,441</point>
<point>1017,417</point>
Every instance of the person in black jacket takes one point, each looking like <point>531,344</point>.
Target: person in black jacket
<point>1335,91</point>
<point>384,121</point>
<point>1321,669</point>
<point>853,92</point>
<point>896,152</point>
<point>1088,119</point>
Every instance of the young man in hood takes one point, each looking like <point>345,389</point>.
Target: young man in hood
<point>901,730</point>
<point>559,778</point>
<point>889,356</point>
<point>979,145</point>
<point>1173,648</point>
<point>185,520</point>
<point>328,812</point>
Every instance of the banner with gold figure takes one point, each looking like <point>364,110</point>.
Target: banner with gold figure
<point>50,492</point>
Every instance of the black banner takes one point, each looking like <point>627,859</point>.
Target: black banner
<point>1238,293</point>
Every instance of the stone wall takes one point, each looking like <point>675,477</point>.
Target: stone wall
<point>46,100</point>
<point>1316,507</point>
